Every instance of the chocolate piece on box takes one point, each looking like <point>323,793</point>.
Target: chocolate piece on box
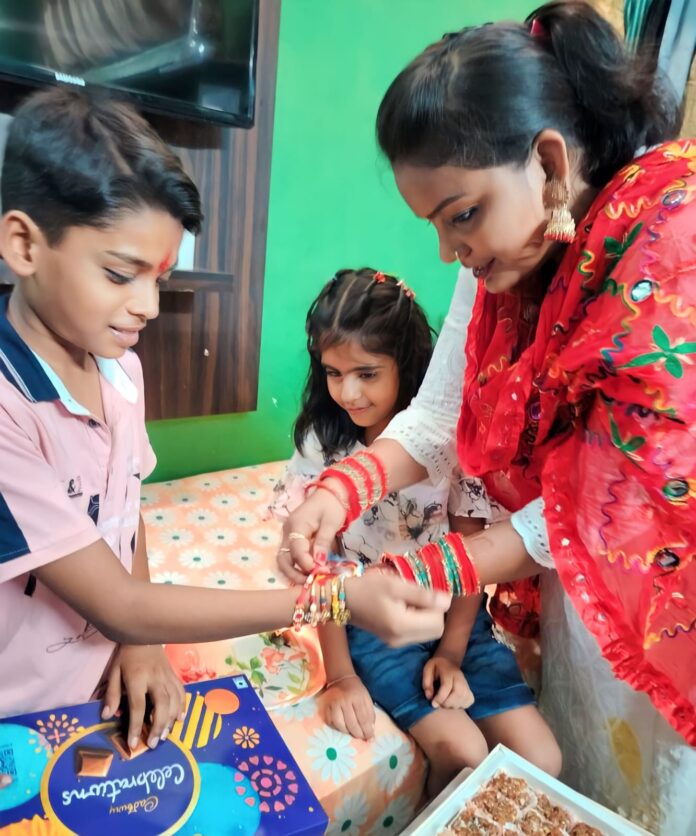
<point>124,750</point>
<point>91,762</point>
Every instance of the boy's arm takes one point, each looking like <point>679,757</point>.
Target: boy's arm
<point>131,610</point>
<point>141,568</point>
<point>142,670</point>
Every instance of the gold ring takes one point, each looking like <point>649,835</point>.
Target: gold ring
<point>295,535</point>
<point>283,549</point>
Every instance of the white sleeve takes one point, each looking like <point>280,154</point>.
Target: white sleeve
<point>427,428</point>
<point>303,468</point>
<point>530,524</point>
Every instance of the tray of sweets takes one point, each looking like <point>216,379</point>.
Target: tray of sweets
<point>507,795</point>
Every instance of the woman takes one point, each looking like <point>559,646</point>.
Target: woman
<point>544,157</point>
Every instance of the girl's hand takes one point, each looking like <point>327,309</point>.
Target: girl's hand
<point>317,520</point>
<point>398,612</point>
<point>141,670</point>
<point>453,690</point>
<point>5,781</point>
<point>348,708</point>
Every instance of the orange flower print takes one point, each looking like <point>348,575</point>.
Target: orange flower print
<point>246,737</point>
<point>272,660</point>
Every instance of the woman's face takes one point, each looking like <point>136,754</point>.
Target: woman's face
<point>492,219</point>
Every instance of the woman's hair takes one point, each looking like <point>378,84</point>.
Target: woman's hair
<point>479,98</point>
<point>381,313</point>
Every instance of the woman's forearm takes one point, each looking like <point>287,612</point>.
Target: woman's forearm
<point>499,554</point>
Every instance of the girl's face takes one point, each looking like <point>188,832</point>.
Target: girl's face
<point>492,220</point>
<point>366,385</point>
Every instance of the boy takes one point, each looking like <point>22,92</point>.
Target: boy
<point>94,209</point>
<point>95,205</point>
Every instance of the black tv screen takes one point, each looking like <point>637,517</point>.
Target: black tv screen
<point>191,57</point>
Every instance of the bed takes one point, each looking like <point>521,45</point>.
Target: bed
<point>214,530</point>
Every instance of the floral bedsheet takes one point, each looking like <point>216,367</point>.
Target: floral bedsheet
<point>214,530</point>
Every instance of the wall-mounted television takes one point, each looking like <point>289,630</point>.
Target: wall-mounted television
<point>194,58</point>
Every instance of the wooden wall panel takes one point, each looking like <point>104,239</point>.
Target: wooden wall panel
<point>232,170</point>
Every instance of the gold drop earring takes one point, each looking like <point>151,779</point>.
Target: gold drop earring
<point>561,227</point>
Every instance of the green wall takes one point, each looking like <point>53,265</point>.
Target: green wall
<point>332,204</point>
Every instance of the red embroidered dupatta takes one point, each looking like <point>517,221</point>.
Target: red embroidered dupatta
<point>597,414</point>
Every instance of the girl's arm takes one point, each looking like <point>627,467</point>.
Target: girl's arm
<point>347,704</point>
<point>129,610</point>
<point>334,648</point>
<point>462,614</point>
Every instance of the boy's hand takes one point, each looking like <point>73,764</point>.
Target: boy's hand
<point>453,690</point>
<point>348,708</point>
<point>139,671</point>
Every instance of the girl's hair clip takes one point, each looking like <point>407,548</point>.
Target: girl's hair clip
<point>406,289</point>
<point>381,277</point>
<point>537,29</point>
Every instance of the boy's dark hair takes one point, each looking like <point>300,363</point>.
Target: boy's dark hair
<point>72,159</point>
<point>386,319</point>
<point>479,98</point>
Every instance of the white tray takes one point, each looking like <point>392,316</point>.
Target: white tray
<point>443,809</point>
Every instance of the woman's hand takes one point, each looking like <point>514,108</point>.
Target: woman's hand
<point>348,708</point>
<point>453,690</point>
<point>309,532</point>
<point>139,671</point>
<point>398,612</point>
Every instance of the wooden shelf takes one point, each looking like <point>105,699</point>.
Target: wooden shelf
<point>189,281</point>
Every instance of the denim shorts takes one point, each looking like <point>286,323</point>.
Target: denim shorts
<point>394,676</point>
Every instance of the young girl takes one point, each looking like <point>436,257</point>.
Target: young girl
<point>369,345</point>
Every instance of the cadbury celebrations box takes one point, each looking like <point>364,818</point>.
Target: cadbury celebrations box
<point>223,770</point>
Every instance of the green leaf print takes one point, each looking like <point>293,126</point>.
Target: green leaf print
<point>628,447</point>
<point>643,360</point>
<point>633,445</point>
<point>667,353</point>
<point>660,338</point>
<point>674,367</point>
<point>614,247</point>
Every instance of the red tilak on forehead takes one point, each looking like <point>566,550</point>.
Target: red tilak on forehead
<point>166,264</point>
